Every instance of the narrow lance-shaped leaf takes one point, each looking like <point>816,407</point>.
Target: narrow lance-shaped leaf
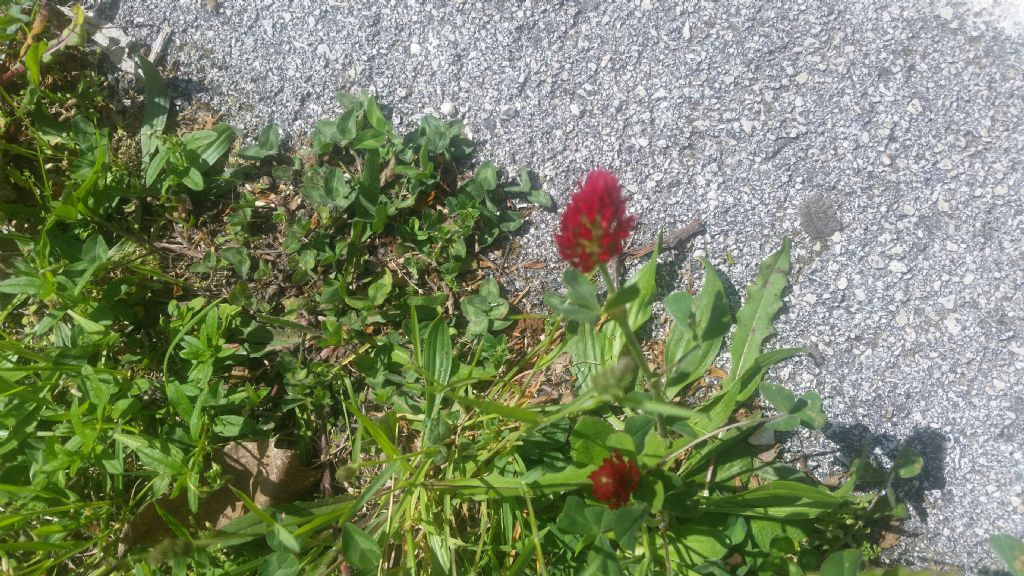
<point>754,321</point>
<point>160,456</point>
<point>590,351</point>
<point>781,499</point>
<point>33,61</point>
<point>22,285</point>
<point>154,116</point>
<point>375,117</point>
<point>517,413</point>
<point>639,311</point>
<point>437,351</point>
<point>498,486</point>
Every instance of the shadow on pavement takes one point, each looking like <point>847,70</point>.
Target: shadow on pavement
<point>928,442</point>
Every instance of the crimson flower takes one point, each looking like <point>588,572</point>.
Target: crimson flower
<point>595,225</point>
<point>615,480</point>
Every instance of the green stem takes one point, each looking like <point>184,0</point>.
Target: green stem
<point>638,355</point>
<point>608,282</point>
<point>741,424</point>
<point>620,318</point>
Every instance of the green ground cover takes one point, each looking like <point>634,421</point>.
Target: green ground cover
<point>228,359</point>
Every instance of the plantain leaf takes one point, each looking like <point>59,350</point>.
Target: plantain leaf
<point>154,116</point>
<point>266,145</point>
<point>437,351</point>
<point>375,117</point>
<point>22,285</point>
<point>591,351</point>
<point>210,144</point>
<point>498,486</point>
<point>517,413</point>
<point>735,391</point>
<point>161,456</point>
<point>639,310</point>
<point>638,296</point>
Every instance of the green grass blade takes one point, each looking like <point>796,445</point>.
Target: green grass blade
<point>504,410</point>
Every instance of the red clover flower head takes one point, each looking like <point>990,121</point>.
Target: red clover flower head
<point>595,225</point>
<point>615,480</point>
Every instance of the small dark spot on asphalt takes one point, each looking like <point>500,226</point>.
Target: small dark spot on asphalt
<point>818,216</point>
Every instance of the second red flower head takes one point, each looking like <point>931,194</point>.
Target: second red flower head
<point>615,480</point>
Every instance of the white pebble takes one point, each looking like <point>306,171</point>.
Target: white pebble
<point>897,267</point>
<point>952,325</point>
